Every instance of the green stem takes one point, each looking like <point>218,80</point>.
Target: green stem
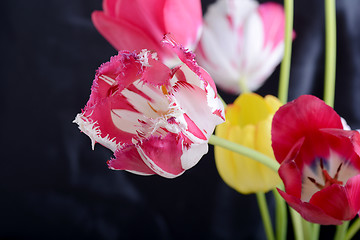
<point>353,229</point>
<point>315,231</point>
<point>307,229</point>
<point>297,225</point>
<point>264,211</point>
<point>243,85</point>
<point>281,216</point>
<point>330,52</point>
<point>248,152</point>
<point>286,62</point>
<point>341,231</point>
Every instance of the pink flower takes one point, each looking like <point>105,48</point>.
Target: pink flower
<point>155,119</point>
<point>242,43</point>
<point>320,162</point>
<point>141,24</point>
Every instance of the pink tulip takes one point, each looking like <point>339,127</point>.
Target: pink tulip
<point>242,43</point>
<point>155,119</point>
<point>320,161</point>
<point>141,24</point>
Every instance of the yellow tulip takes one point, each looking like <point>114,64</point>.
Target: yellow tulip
<point>248,122</point>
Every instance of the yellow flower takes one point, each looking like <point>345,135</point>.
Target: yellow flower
<point>248,122</point>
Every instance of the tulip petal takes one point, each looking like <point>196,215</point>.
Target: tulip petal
<point>334,202</point>
<point>253,109</point>
<point>291,176</point>
<point>308,211</point>
<point>353,192</point>
<point>128,158</point>
<point>123,35</point>
<point>187,30</point>
<point>273,19</point>
<point>189,92</point>
<point>240,172</point>
<point>346,142</point>
<point>300,118</point>
<point>191,156</point>
<point>163,155</point>
<point>146,15</point>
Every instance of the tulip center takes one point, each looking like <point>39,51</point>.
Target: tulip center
<point>328,180</point>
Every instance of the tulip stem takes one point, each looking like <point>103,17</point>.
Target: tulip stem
<point>341,231</point>
<point>280,216</point>
<point>297,224</point>
<point>353,229</point>
<point>264,211</point>
<point>248,152</point>
<point>315,231</point>
<point>330,52</point>
<point>286,62</point>
<point>307,229</point>
<point>243,85</point>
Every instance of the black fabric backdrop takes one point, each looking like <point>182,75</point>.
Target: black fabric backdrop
<point>53,186</point>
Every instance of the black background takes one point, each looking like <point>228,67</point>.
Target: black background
<point>53,186</point>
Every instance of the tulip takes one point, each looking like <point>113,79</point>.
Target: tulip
<point>141,24</point>
<point>242,43</point>
<point>248,123</point>
<point>320,162</point>
<point>155,119</point>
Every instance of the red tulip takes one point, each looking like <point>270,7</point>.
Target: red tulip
<point>320,162</point>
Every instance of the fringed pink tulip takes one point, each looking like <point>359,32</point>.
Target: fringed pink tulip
<point>155,119</point>
<point>141,24</point>
<point>320,162</point>
<point>242,43</point>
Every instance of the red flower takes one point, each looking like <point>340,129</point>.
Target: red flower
<point>155,119</point>
<point>141,24</point>
<point>320,162</point>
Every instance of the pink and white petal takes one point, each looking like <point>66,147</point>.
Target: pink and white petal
<point>265,67</point>
<point>240,10</point>
<point>186,56</point>
<point>91,129</point>
<point>185,75</point>
<point>253,41</point>
<point>353,192</point>
<point>127,158</point>
<point>221,28</point>
<point>299,118</point>
<point>333,201</point>
<point>273,19</point>
<point>184,20</point>
<point>186,98</point>
<point>212,54</point>
<point>127,121</point>
<point>156,74</point>
<point>308,211</point>
<point>163,154</point>
<point>124,69</point>
<point>149,102</point>
<point>192,155</point>
<point>99,118</point>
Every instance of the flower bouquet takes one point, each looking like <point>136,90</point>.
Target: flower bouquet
<point>155,105</point>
